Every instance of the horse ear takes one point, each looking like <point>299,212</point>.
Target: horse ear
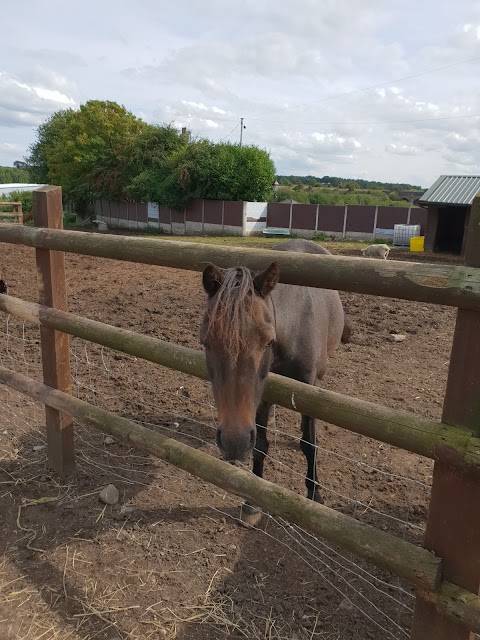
<point>212,279</point>
<point>266,281</point>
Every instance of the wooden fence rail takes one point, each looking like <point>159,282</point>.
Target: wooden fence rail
<point>417,565</point>
<point>460,447</point>
<point>451,285</point>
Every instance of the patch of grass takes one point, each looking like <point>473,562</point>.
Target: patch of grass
<point>69,219</point>
<point>260,242</point>
<point>321,236</point>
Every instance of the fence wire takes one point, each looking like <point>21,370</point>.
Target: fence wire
<point>343,597</point>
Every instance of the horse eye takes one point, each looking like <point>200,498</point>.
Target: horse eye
<point>269,344</point>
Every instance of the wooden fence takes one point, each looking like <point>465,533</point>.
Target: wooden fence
<point>16,211</point>
<point>446,572</point>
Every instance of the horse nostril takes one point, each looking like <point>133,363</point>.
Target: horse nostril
<point>252,437</point>
<point>218,438</point>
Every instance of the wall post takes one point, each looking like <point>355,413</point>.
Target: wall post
<point>375,223</point>
<point>345,216</point>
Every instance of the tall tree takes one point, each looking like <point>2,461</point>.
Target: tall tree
<point>148,163</point>
<point>203,169</point>
<point>49,136</point>
<point>85,150</point>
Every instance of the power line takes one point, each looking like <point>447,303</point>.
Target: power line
<point>230,132</point>
<point>374,86</point>
<point>371,122</point>
<point>366,122</point>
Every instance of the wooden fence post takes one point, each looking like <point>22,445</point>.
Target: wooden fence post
<point>19,212</point>
<point>453,527</point>
<point>47,212</point>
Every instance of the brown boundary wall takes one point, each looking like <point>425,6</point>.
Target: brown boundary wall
<point>347,221</point>
<point>132,215</point>
<point>229,217</point>
<point>199,216</point>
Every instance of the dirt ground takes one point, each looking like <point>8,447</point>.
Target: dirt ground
<point>170,559</point>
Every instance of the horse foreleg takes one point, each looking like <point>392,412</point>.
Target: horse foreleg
<point>309,449</point>
<point>250,514</point>
<point>261,444</point>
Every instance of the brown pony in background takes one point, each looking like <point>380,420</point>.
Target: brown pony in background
<point>254,325</point>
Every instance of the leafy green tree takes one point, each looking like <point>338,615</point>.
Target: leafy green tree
<point>49,136</point>
<point>351,185</point>
<point>85,150</point>
<point>147,161</point>
<point>203,169</point>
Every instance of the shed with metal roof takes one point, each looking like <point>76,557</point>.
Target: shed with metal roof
<point>448,202</point>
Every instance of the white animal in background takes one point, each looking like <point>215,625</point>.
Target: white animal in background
<point>376,251</point>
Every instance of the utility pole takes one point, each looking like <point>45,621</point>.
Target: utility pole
<point>242,127</point>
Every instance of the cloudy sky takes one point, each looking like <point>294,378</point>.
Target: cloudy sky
<point>324,86</point>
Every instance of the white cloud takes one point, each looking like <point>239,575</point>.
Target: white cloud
<point>22,104</point>
<point>54,96</point>
<point>335,143</point>
<point>204,65</point>
<point>401,149</point>
<point>10,147</point>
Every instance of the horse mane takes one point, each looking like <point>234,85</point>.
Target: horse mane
<point>232,307</point>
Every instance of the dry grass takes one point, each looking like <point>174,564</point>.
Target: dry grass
<point>97,609</point>
<point>65,591</point>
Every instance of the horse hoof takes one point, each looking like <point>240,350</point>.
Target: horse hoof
<point>316,497</point>
<point>250,516</point>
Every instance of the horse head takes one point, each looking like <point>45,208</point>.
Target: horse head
<point>238,333</point>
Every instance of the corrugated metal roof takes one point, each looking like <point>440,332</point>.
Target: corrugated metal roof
<point>452,190</point>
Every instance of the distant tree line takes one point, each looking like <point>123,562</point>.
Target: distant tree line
<point>9,175</point>
<point>346,183</point>
<point>331,196</point>
<point>101,150</point>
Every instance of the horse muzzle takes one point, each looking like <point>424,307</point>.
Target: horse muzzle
<point>235,445</point>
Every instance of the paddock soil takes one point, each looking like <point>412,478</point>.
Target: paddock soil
<point>170,559</point>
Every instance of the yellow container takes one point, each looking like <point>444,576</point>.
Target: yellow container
<point>417,244</point>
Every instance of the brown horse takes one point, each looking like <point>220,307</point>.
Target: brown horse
<point>254,325</point>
